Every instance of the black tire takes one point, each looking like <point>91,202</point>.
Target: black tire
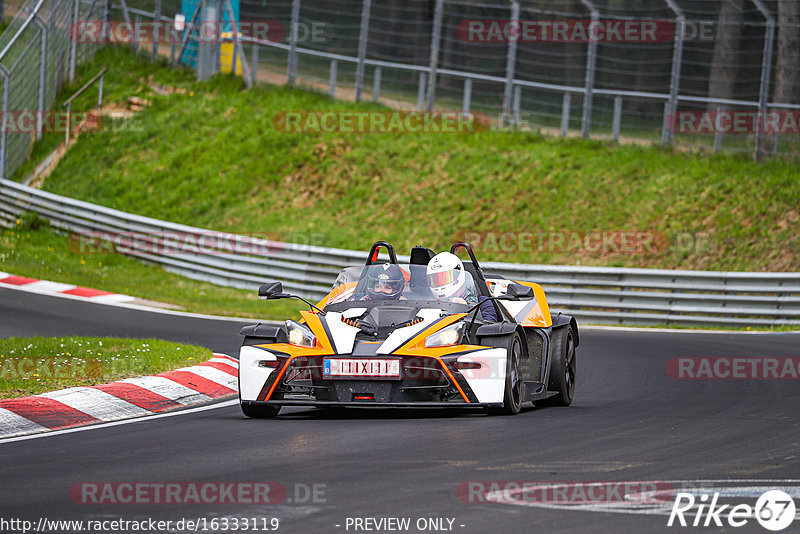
<point>512,398</point>
<point>562,372</point>
<point>260,411</point>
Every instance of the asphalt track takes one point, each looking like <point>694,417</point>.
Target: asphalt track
<point>629,422</point>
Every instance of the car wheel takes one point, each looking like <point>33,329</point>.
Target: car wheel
<point>512,398</point>
<point>260,411</point>
<point>562,372</point>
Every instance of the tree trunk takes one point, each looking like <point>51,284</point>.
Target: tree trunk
<point>787,75</point>
<point>725,65</point>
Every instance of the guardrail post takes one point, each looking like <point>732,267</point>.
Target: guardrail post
<point>332,78</point>
<point>376,85</point>
<point>617,118</point>
<point>254,65</point>
<point>291,67</point>
<point>421,91</point>
<point>362,46</point>
<point>73,43</point>
<point>766,72</point>
<point>156,29</point>
<point>3,119</point>
<point>467,100</point>
<point>511,62</point>
<point>436,37</point>
<point>591,65</point>
<point>675,76</point>
<point>566,106</point>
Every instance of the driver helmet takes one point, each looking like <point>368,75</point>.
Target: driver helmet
<point>446,275</point>
<point>385,282</point>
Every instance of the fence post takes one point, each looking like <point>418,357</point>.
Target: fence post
<point>362,47</point>
<point>136,35</point>
<point>467,101</point>
<point>376,84</point>
<point>156,29</point>
<point>718,134</point>
<point>106,30</point>
<point>254,66</point>
<point>566,105</point>
<point>421,91</point>
<point>591,65</point>
<point>436,37</point>
<point>766,73</point>
<point>42,74</point>
<point>617,118</point>
<point>3,118</point>
<point>73,43</point>
<point>291,72</point>
<point>332,78</point>
<point>100,93</point>
<point>511,62</point>
<point>237,47</point>
<point>675,77</point>
<point>516,106</point>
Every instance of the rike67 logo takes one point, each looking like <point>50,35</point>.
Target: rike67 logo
<point>774,510</point>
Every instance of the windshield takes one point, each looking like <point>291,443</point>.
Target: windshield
<point>397,283</point>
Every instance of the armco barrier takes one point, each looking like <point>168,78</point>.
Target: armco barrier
<point>601,295</point>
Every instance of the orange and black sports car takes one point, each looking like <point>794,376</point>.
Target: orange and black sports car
<point>435,332</point>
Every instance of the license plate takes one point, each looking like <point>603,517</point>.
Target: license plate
<point>360,368</point>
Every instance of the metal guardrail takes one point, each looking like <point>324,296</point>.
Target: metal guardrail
<point>593,294</point>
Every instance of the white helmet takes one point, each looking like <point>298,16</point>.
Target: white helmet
<point>446,275</point>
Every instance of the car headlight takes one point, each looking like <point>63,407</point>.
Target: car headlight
<point>300,335</point>
<point>447,336</point>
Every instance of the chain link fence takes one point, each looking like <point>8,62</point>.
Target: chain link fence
<point>699,74</point>
<point>37,56</point>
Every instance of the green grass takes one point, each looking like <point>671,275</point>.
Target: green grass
<point>36,252</point>
<point>33,365</point>
<point>212,158</point>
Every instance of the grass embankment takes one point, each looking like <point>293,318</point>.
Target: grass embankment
<point>210,156</point>
<point>39,253</point>
<point>33,365</point>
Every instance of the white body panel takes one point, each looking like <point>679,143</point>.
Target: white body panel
<point>251,376</point>
<point>489,382</point>
<point>401,335</point>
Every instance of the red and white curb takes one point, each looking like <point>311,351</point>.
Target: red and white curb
<point>52,288</point>
<point>133,397</point>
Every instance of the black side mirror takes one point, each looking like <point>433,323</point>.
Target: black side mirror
<point>271,291</point>
<point>518,292</point>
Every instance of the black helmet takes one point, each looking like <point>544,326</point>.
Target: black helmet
<point>385,282</point>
